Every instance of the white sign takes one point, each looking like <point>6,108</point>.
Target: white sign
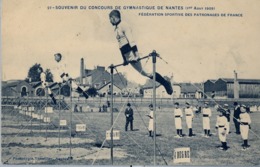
<point>48,110</point>
<point>35,115</point>
<point>40,117</point>
<point>80,127</point>
<point>15,107</point>
<point>181,155</point>
<point>30,108</point>
<point>63,122</point>
<point>46,119</point>
<point>116,135</point>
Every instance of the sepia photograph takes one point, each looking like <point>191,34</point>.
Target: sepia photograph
<point>130,83</point>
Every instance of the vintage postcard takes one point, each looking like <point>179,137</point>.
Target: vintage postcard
<point>130,82</point>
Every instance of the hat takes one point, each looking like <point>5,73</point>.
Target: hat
<point>244,106</point>
<point>225,105</point>
<point>187,103</point>
<point>235,103</point>
<point>128,104</point>
<point>115,13</point>
<point>176,103</point>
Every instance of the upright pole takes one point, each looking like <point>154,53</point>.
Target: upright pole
<point>46,94</point>
<point>70,157</point>
<point>154,54</point>
<point>59,114</point>
<point>111,109</point>
<point>28,106</point>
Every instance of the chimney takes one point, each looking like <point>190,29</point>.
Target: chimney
<point>81,70</point>
<point>236,86</point>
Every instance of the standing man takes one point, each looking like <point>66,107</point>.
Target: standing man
<point>45,84</point>
<point>236,117</point>
<point>178,119</point>
<point>150,126</point>
<point>206,113</point>
<point>221,125</point>
<point>189,118</point>
<point>61,75</point>
<point>129,49</point>
<point>129,115</point>
<point>245,121</point>
<point>227,115</point>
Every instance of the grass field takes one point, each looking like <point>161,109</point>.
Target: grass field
<point>26,144</point>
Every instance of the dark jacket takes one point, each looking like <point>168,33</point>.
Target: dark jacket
<point>237,112</point>
<point>129,114</point>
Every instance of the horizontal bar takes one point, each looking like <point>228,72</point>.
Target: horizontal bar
<point>118,65</point>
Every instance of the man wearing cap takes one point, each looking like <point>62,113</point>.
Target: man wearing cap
<point>227,115</point>
<point>178,119</point>
<point>129,115</point>
<point>221,125</point>
<point>245,121</point>
<point>129,49</point>
<point>236,117</point>
<point>61,75</point>
<point>189,117</point>
<point>206,113</point>
<point>150,126</point>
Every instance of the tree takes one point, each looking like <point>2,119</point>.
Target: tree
<point>34,75</point>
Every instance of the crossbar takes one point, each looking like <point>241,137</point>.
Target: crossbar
<point>142,58</point>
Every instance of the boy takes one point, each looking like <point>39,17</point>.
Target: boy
<point>61,76</point>
<point>129,49</point>
<point>189,118</point>
<point>178,119</point>
<point>221,125</point>
<point>206,113</point>
<point>245,121</point>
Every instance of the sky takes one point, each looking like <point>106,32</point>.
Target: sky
<point>195,48</point>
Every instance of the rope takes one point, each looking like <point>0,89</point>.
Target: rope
<point>143,120</point>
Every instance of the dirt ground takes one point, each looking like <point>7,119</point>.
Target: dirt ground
<point>31,141</point>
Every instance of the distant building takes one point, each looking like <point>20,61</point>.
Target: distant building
<point>224,88</point>
<point>105,89</point>
<point>17,88</point>
<point>161,93</point>
<point>160,90</point>
<point>191,90</point>
<point>98,77</point>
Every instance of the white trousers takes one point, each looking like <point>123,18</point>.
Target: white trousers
<point>189,121</point>
<point>206,123</point>
<point>178,123</point>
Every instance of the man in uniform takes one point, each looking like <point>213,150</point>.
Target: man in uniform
<point>61,76</point>
<point>221,125</point>
<point>189,117</point>
<point>150,126</point>
<point>206,113</point>
<point>245,121</point>
<point>236,117</point>
<point>129,49</point>
<point>178,119</point>
<point>129,115</point>
<point>227,115</point>
<point>45,84</point>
